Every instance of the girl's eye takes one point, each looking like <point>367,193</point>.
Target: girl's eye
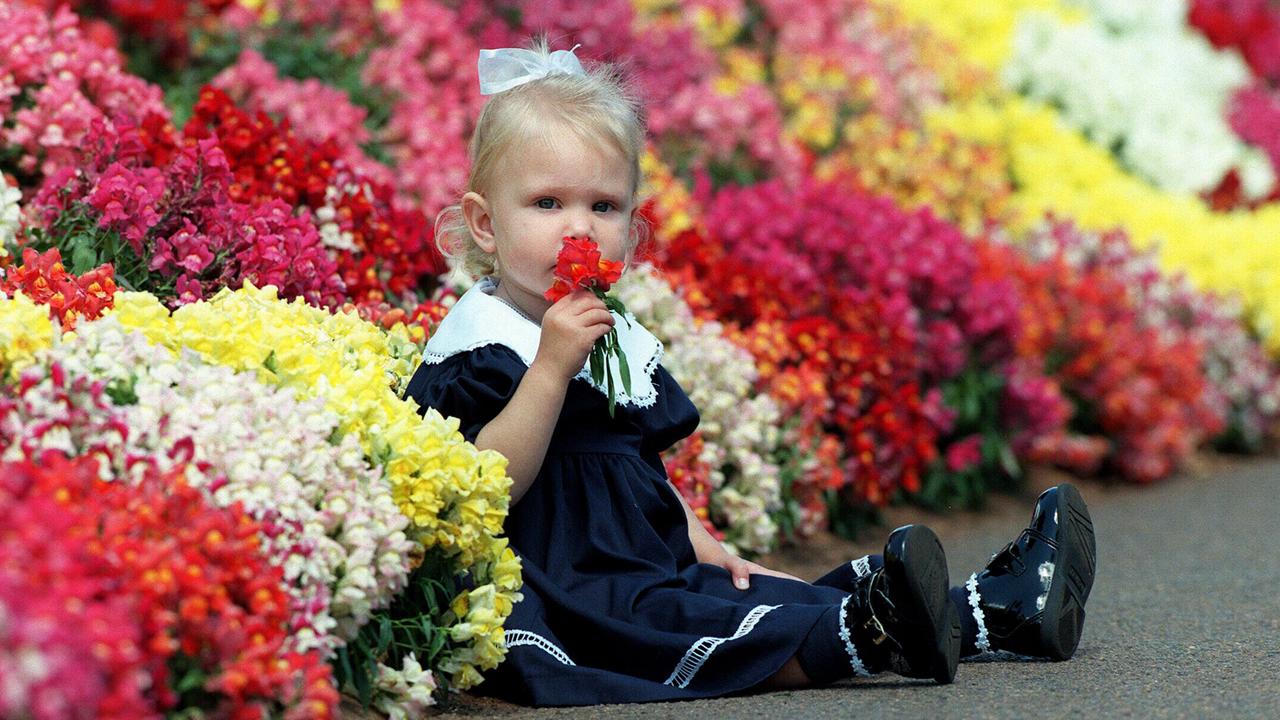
<point>602,206</point>
<point>546,203</point>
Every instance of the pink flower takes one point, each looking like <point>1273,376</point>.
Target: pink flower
<point>71,81</point>
<point>276,248</point>
<point>964,454</point>
<point>127,200</point>
<point>188,249</point>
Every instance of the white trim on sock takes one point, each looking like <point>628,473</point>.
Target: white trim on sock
<point>854,661</point>
<point>983,642</point>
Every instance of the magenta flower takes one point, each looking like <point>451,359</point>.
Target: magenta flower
<point>127,200</point>
<point>964,454</point>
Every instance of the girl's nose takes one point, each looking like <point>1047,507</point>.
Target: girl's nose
<point>579,224</point>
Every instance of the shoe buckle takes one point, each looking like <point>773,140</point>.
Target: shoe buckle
<point>873,625</point>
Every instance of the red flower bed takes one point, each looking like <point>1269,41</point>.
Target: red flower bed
<point>175,229</point>
<point>381,247</point>
<point>835,369</point>
<point>44,279</point>
<point>1142,403</point>
<point>162,602</point>
<point>1251,26</point>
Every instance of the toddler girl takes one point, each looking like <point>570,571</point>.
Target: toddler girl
<point>627,598</point>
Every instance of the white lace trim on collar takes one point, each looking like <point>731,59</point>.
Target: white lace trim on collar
<point>479,319</point>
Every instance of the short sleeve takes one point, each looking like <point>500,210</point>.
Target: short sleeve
<point>672,418</point>
<point>472,386</point>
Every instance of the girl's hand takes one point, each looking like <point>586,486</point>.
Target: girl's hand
<point>569,328</point>
<point>741,570</point>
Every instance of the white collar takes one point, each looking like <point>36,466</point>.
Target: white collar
<point>479,319</point>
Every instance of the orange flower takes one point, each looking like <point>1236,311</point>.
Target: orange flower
<point>579,266</point>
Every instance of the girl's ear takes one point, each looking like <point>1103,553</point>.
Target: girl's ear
<point>479,218</point>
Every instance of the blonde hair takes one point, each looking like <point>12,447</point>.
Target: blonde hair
<point>599,107</point>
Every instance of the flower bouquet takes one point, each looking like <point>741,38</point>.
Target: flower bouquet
<point>580,267</point>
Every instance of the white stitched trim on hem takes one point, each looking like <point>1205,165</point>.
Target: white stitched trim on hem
<point>983,642</point>
<point>862,566</point>
<point>700,651</point>
<point>854,661</point>
<point>523,637</point>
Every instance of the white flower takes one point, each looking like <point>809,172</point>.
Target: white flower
<point>739,427</point>
<point>330,512</point>
<point>406,693</point>
<point>10,214</point>
<point>1134,78</point>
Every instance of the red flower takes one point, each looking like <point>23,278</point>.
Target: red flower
<point>965,454</point>
<point>579,266</point>
<point>44,279</point>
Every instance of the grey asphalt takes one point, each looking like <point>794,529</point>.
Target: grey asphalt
<point>1183,622</point>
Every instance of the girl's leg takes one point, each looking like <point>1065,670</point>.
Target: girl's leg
<point>897,616</point>
<point>1053,559</point>
<point>1029,600</point>
<point>790,677</point>
<point>846,577</point>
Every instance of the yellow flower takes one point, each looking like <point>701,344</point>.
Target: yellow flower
<point>981,31</point>
<point>1056,169</point>
<point>716,29</point>
<point>671,199</point>
<point>744,64</point>
<point>25,328</point>
<point>455,495</point>
<point>506,575</point>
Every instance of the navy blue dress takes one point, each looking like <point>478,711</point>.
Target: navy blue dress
<point>616,607</point>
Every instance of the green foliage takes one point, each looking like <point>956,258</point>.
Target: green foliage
<point>847,514</point>
<point>122,391</point>
<point>975,396</point>
<point>187,680</point>
<point>85,245</point>
<point>296,52</point>
<point>417,622</point>
<point>787,516</point>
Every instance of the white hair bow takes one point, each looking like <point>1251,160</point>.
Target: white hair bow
<point>505,68</point>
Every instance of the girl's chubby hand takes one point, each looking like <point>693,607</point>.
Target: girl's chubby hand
<point>569,328</point>
<point>741,570</point>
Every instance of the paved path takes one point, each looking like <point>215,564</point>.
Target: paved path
<point>1184,620</point>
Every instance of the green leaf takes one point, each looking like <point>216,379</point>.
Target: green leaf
<point>625,370</point>
<point>384,634</point>
<point>361,681</point>
<point>343,668</point>
<point>1009,461</point>
<point>597,366</point>
<point>83,258</point>
<point>612,394</point>
<point>122,392</point>
<point>191,680</point>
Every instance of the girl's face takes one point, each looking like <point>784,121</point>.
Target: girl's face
<point>547,190</point>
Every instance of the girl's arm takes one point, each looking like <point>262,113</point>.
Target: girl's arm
<point>709,550</point>
<point>522,431</point>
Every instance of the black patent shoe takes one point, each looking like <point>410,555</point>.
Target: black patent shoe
<point>1030,598</point>
<point>900,617</point>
